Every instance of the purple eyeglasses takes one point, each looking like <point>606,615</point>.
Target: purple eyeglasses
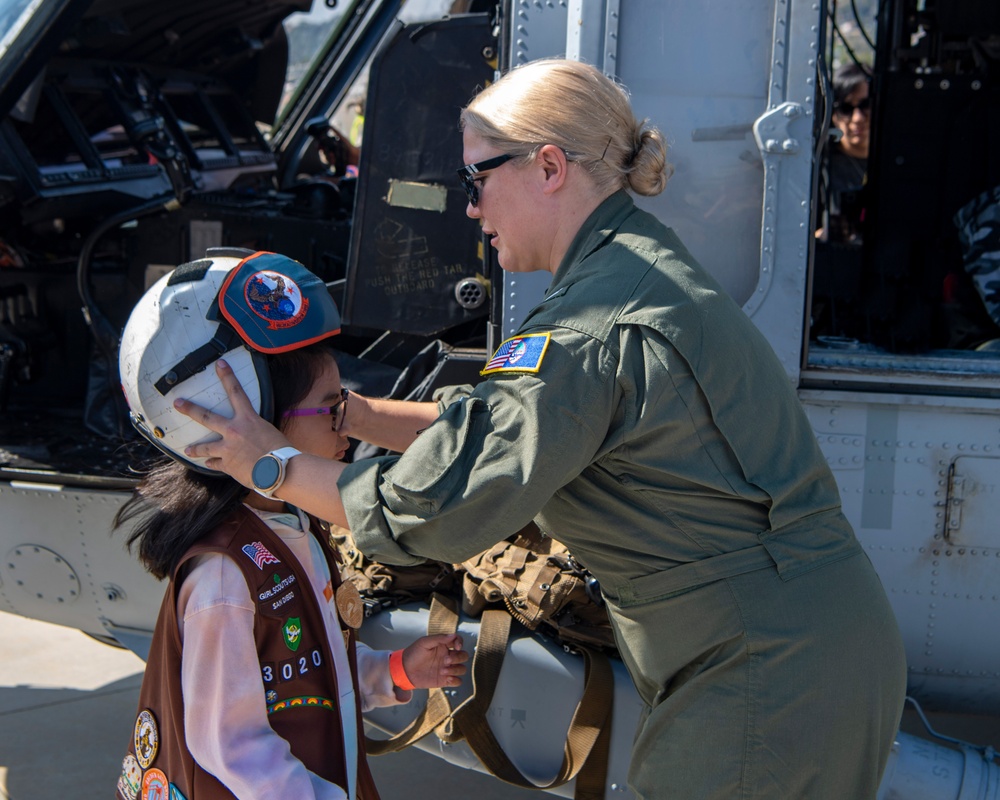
<point>338,410</point>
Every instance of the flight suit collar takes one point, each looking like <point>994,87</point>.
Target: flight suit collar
<point>596,229</point>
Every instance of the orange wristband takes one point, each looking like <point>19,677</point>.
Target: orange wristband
<point>399,676</point>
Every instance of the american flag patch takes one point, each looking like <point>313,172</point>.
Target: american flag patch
<point>259,554</point>
<point>519,354</point>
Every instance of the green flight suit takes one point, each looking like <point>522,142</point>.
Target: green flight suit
<point>662,442</point>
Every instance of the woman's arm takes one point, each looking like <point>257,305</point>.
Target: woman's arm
<point>310,481</point>
<point>392,424</point>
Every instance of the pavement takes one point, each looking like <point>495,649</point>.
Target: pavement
<point>67,704</point>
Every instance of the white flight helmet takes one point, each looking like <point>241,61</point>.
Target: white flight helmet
<point>234,303</point>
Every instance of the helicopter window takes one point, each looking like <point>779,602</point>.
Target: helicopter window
<point>211,123</point>
<point>51,154</point>
<point>242,132</point>
<point>103,127</point>
<point>196,124</point>
<point>906,278</point>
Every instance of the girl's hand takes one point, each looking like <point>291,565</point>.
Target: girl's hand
<point>434,661</point>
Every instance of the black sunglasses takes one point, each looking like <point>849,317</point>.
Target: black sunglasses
<point>845,109</point>
<point>338,411</point>
<point>468,173</point>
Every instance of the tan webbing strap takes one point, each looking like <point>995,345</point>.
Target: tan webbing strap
<point>591,718</point>
<point>443,619</point>
<point>589,738</point>
<point>592,778</point>
<point>585,754</point>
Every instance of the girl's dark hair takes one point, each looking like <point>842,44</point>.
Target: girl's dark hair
<point>173,506</point>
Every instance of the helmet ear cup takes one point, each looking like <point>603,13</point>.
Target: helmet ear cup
<point>171,321</point>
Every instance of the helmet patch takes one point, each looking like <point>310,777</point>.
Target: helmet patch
<point>276,305</point>
<point>275,298</point>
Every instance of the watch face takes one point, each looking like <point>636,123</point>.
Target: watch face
<point>265,472</point>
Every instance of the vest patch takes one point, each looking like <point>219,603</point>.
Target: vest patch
<point>306,701</point>
<point>259,554</point>
<point>519,354</point>
<point>146,738</point>
<point>278,587</point>
<point>154,785</point>
<point>131,778</point>
<point>292,631</point>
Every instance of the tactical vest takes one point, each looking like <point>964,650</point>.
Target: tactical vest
<point>298,675</point>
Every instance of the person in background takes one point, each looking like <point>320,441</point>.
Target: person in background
<point>255,680</point>
<point>845,170</point>
<point>639,417</point>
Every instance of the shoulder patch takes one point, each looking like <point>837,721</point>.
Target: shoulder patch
<point>519,354</point>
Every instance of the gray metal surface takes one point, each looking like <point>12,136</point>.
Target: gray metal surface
<point>61,563</point>
<point>918,483</point>
<point>537,693</point>
<point>738,120</point>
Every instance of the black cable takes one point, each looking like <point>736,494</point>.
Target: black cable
<point>861,27</point>
<point>847,46</point>
<point>104,333</point>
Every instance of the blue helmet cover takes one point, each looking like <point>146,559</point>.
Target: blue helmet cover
<point>276,304</point>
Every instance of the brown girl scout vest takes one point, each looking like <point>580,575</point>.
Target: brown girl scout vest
<point>298,676</point>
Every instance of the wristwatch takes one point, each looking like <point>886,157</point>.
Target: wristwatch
<point>269,471</point>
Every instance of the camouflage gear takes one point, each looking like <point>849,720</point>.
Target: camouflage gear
<point>978,224</point>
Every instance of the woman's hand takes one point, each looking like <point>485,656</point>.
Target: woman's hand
<point>245,437</point>
<point>437,660</point>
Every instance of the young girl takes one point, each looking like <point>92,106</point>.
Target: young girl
<point>255,680</point>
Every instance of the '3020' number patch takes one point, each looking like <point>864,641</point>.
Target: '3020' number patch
<point>282,671</point>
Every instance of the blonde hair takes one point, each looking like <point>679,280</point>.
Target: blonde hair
<point>580,110</point>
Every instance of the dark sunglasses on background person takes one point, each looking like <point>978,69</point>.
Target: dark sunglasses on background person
<point>468,175</point>
<point>338,410</point>
<point>845,109</point>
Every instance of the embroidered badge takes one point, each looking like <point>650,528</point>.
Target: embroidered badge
<point>278,587</point>
<point>259,554</point>
<point>154,786</point>
<point>275,298</point>
<point>146,738</point>
<point>520,354</point>
<point>271,696</point>
<point>176,794</point>
<point>292,632</point>
<point>310,701</point>
<point>130,779</point>
<point>350,606</point>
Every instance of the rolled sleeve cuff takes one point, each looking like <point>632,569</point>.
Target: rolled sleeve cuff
<point>447,395</point>
<point>359,491</point>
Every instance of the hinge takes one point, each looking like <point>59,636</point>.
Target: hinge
<point>956,496</point>
<point>771,130</point>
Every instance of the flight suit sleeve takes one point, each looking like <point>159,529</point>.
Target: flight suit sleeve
<point>490,462</point>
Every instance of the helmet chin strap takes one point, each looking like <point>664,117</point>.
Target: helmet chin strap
<point>226,338</point>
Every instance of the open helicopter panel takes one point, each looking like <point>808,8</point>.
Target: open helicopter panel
<point>113,174</point>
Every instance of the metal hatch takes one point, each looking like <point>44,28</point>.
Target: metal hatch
<point>973,492</point>
<point>415,257</point>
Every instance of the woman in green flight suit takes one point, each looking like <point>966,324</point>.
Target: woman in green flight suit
<point>639,417</point>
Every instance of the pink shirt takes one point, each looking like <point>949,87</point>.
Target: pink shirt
<point>225,716</point>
